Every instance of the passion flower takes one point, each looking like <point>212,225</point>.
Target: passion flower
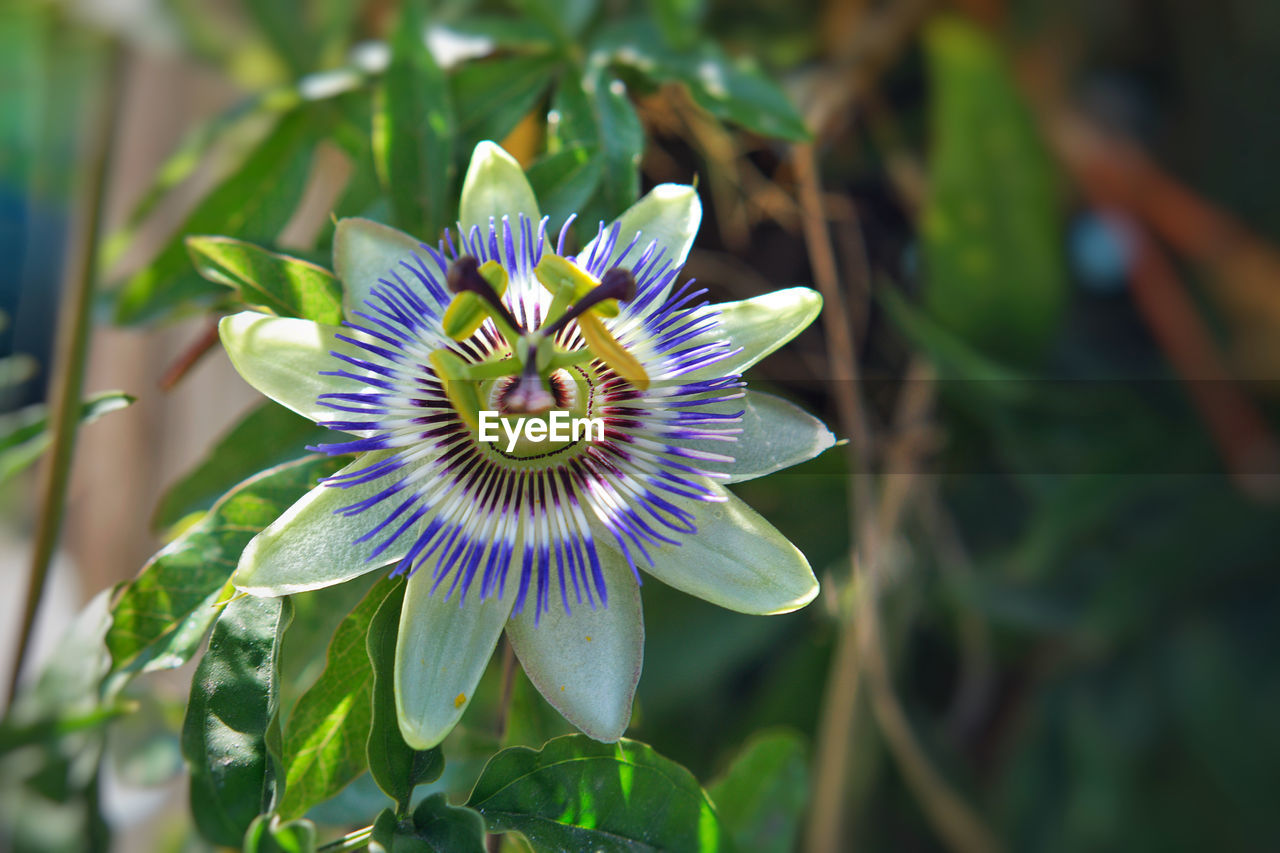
<point>546,535</point>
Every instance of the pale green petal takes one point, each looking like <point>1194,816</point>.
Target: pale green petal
<point>775,435</point>
<point>669,214</point>
<point>758,326</point>
<point>736,560</point>
<point>441,653</point>
<point>283,356</point>
<point>495,186</point>
<point>587,662</point>
<point>363,252</point>
<point>309,547</point>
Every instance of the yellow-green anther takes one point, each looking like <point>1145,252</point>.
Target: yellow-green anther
<point>607,349</point>
<point>458,386</point>
<point>469,308</point>
<point>464,316</point>
<point>559,275</point>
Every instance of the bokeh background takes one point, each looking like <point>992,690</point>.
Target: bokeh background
<point>1046,233</point>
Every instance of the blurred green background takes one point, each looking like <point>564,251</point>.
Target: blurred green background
<point>1053,229</point>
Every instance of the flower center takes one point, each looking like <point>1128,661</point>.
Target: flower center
<point>532,380</point>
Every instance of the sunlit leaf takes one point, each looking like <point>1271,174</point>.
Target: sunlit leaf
<point>414,132</point>
<point>762,796</point>
<point>564,181</point>
<point>290,287</point>
<point>595,112</point>
<point>493,95</point>
<point>325,743</point>
<point>253,203</point>
<point>24,435</point>
<point>434,827</point>
<point>394,765</point>
<point>233,701</point>
<point>285,23</point>
<point>577,794</point>
<point>268,834</point>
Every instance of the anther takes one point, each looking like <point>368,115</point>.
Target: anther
<point>467,277</point>
<point>617,283</point>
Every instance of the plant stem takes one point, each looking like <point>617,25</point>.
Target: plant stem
<point>351,841</point>
<point>860,648</point>
<point>67,384</point>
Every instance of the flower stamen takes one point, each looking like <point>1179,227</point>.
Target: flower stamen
<point>479,288</point>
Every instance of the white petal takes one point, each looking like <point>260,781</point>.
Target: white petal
<point>587,662</point>
<point>758,326</point>
<point>668,213</point>
<point>495,186</point>
<point>736,560</point>
<point>309,547</point>
<point>775,434</point>
<point>441,653</point>
<point>283,356</point>
<point>363,252</point>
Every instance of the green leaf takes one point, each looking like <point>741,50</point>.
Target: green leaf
<point>325,743</point>
<point>954,358</point>
<point>494,95</point>
<point>285,25</point>
<point>621,139</point>
<point>268,436</point>
<point>267,834</point>
<point>566,17</point>
<point>236,129</point>
<point>991,225</point>
<point>732,89</point>
<point>394,765</point>
<point>161,616</point>
<point>564,181</point>
<point>763,794</point>
<point>24,435</point>
<point>413,132</point>
<point>490,32</point>
<point>253,203</point>
<point>288,286</point>
<point>678,19</point>
<point>233,701</point>
<point>576,794</point>
<point>736,90</point>
<point>435,827</point>
<point>592,111</point>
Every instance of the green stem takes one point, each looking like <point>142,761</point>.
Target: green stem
<point>67,385</point>
<point>350,841</point>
